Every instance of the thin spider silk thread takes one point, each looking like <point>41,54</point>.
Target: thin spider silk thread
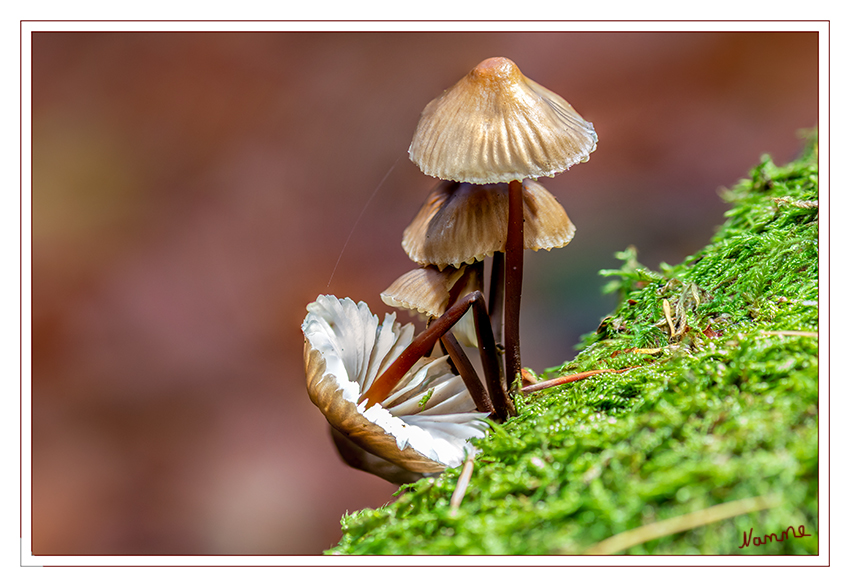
<point>356,222</point>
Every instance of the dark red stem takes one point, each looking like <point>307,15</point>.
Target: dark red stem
<point>513,284</point>
<point>496,301</point>
<point>467,373</point>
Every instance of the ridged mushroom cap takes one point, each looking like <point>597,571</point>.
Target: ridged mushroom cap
<point>428,290</point>
<point>461,223</point>
<point>424,290</point>
<point>426,422</point>
<point>496,126</point>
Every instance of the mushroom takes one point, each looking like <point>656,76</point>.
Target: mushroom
<point>383,396</point>
<point>461,223</point>
<point>425,290</point>
<point>429,291</point>
<point>497,126</point>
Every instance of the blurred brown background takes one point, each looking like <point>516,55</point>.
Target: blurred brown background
<point>193,192</point>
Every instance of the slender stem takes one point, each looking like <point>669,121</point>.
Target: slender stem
<point>513,282</point>
<point>477,269</point>
<point>467,373</point>
<point>489,354</point>
<point>496,301</point>
<point>454,293</point>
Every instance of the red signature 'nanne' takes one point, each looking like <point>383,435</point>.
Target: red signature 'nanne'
<point>759,541</point>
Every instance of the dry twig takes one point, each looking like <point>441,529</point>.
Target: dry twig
<point>462,484</point>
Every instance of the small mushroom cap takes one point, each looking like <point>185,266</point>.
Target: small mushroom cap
<point>428,290</point>
<point>424,290</point>
<point>496,126</point>
<point>461,223</point>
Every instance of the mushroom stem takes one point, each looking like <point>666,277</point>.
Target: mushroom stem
<point>467,373</point>
<point>422,344</point>
<point>513,284</point>
<point>496,301</point>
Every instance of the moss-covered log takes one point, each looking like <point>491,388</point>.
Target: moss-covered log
<point>720,407</point>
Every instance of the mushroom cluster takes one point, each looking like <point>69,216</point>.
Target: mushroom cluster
<point>403,406</point>
<point>489,137</point>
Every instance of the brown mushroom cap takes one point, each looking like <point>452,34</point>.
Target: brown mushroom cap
<point>424,290</point>
<point>461,223</point>
<point>495,126</point>
<point>429,290</point>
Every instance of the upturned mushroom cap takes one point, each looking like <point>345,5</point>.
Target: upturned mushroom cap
<point>359,458</point>
<point>425,423</point>
<point>461,223</point>
<point>496,126</point>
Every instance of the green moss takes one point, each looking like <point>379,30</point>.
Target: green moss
<point>720,407</point>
